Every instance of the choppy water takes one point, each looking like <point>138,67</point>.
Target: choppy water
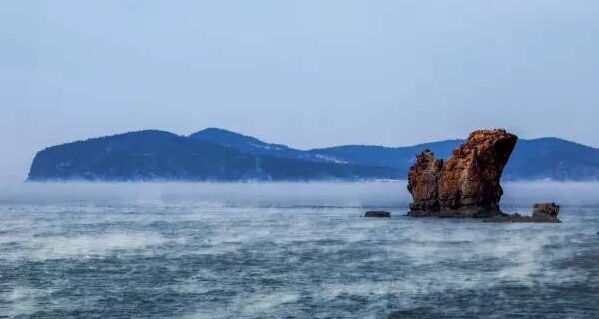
<point>288,251</point>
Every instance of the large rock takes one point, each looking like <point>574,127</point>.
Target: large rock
<point>424,183</point>
<point>466,184</point>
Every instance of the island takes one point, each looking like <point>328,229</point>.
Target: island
<point>216,154</point>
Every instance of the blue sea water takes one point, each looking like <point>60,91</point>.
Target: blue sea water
<point>288,250</point>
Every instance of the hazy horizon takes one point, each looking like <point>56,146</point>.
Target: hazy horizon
<point>309,74</point>
<point>518,195</point>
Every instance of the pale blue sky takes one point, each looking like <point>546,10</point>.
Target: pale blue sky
<point>305,73</point>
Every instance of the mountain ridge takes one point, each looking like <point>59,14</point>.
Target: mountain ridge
<point>160,155</point>
<point>215,154</point>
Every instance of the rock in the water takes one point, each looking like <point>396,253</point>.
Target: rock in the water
<point>377,213</point>
<point>424,183</point>
<point>545,210</point>
<point>542,213</point>
<point>465,185</point>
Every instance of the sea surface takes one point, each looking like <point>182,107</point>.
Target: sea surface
<point>288,250</point>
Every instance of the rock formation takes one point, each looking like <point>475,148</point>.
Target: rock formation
<point>545,210</point>
<point>465,185</point>
<point>542,213</point>
<point>424,183</point>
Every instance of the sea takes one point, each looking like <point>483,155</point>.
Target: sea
<point>289,250</point>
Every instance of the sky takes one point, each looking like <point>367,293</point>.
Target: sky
<point>307,73</point>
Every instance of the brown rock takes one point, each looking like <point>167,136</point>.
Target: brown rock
<point>545,210</point>
<point>542,213</point>
<point>467,184</point>
<point>424,182</point>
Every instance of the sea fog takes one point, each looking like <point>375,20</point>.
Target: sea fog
<point>382,194</point>
<point>288,250</point>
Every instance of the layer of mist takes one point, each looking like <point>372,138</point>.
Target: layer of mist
<point>392,194</point>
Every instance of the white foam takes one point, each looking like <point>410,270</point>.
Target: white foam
<point>263,303</point>
<point>59,247</point>
<point>23,300</point>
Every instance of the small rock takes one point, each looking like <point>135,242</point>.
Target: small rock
<point>542,213</point>
<point>545,210</point>
<point>377,213</point>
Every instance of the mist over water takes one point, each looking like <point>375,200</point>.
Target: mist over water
<point>272,250</point>
<point>392,194</point>
<point>215,194</point>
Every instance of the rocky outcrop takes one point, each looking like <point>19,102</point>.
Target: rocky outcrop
<point>545,211</point>
<point>424,183</point>
<point>377,213</point>
<point>466,184</point>
<point>542,213</point>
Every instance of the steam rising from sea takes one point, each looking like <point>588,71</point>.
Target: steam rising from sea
<point>375,194</point>
<point>272,250</point>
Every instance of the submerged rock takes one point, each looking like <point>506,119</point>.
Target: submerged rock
<point>466,184</point>
<point>542,213</point>
<point>377,213</point>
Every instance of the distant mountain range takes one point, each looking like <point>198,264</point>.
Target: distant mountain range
<point>220,155</point>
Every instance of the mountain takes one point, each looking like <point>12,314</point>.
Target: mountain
<point>395,157</point>
<point>543,158</point>
<point>158,155</point>
<point>219,155</point>
<point>365,155</point>
<point>252,145</point>
<point>553,158</point>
